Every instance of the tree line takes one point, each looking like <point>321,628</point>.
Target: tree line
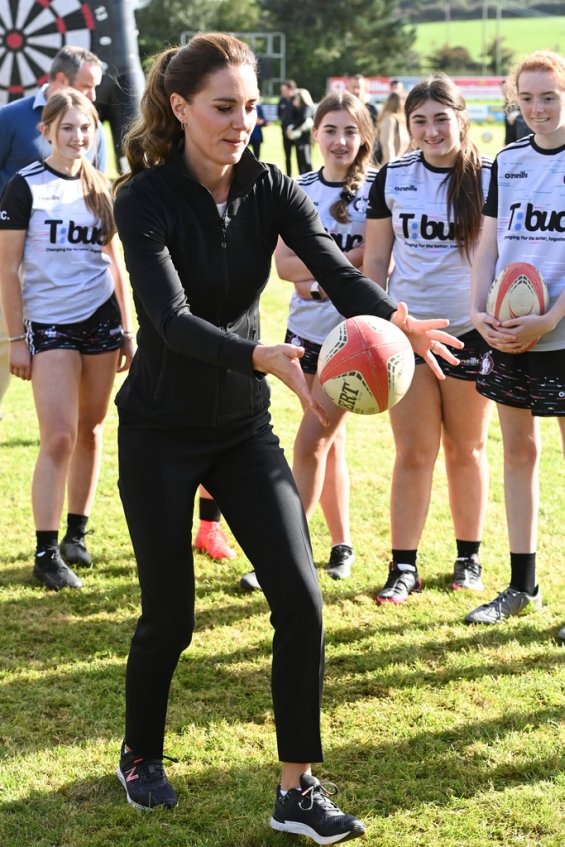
<point>323,37</point>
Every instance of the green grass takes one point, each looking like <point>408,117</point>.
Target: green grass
<point>437,733</point>
<point>522,35</point>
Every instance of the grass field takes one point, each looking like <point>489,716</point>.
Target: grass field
<point>522,35</point>
<point>437,733</point>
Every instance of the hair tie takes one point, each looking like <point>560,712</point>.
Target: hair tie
<point>347,195</point>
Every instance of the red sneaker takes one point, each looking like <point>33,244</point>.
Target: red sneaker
<point>211,540</point>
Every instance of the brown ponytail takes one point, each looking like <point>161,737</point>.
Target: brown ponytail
<point>177,70</point>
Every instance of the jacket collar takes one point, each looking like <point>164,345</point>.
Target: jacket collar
<point>246,173</point>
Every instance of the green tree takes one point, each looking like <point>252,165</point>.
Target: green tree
<point>329,37</point>
<point>162,21</point>
<point>498,57</point>
<point>452,60</point>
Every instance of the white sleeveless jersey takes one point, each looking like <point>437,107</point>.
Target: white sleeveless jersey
<point>527,197</point>
<point>430,274</point>
<point>66,276</point>
<point>313,319</point>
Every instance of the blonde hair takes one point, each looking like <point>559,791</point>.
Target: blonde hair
<point>177,70</point>
<point>96,189</point>
<point>346,102</point>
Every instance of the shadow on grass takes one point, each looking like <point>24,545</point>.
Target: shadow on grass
<point>19,441</point>
<point>231,806</point>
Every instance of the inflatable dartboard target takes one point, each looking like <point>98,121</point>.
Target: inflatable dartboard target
<point>32,31</point>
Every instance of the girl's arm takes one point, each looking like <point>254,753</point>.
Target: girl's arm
<point>121,288</point>
<point>11,254</point>
<point>379,240</point>
<point>290,267</point>
<point>482,275</point>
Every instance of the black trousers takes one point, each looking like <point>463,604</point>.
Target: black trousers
<point>245,470</point>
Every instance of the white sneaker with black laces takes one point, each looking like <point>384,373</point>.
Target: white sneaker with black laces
<point>309,810</point>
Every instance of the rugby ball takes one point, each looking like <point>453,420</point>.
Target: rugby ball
<point>517,290</point>
<point>366,365</point>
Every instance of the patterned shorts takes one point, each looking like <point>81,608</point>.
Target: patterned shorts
<point>469,357</point>
<point>527,380</point>
<point>100,333</point>
<point>309,361</point>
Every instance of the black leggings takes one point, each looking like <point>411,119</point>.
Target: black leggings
<point>244,469</point>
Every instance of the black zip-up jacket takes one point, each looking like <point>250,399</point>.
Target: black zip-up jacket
<point>197,278</point>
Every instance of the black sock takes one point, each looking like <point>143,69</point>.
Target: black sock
<point>208,510</point>
<point>405,557</point>
<point>523,572</point>
<point>76,525</point>
<point>466,549</point>
<point>46,538</point>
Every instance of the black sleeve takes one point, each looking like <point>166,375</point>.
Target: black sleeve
<point>142,229</point>
<point>15,204</point>
<point>377,207</point>
<point>490,209</point>
<point>350,292</point>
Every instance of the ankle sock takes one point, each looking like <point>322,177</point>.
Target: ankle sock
<point>523,572</point>
<point>466,549</point>
<point>405,560</point>
<point>45,539</point>
<point>76,525</point>
<point>208,510</point>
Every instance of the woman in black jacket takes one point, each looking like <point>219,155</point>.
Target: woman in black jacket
<point>199,218</point>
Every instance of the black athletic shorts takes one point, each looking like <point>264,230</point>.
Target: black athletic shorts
<point>469,357</point>
<point>527,380</point>
<point>100,333</point>
<point>309,361</point>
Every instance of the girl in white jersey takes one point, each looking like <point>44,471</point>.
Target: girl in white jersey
<point>340,189</point>
<point>523,221</point>
<point>425,212</point>
<point>69,324</point>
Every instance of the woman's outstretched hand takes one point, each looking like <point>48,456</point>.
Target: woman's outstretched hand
<point>427,338</point>
<point>282,361</point>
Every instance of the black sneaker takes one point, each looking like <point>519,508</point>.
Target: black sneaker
<point>341,560</point>
<point>145,782</point>
<point>308,810</point>
<point>399,585</point>
<point>50,569</point>
<point>74,552</point>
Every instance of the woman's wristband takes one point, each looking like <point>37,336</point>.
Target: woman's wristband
<point>17,338</point>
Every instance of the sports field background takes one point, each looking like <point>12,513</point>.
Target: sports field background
<point>436,733</point>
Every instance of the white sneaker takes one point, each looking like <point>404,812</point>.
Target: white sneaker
<point>249,582</point>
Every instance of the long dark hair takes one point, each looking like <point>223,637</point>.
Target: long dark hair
<point>346,102</point>
<point>465,191</point>
<point>177,70</point>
